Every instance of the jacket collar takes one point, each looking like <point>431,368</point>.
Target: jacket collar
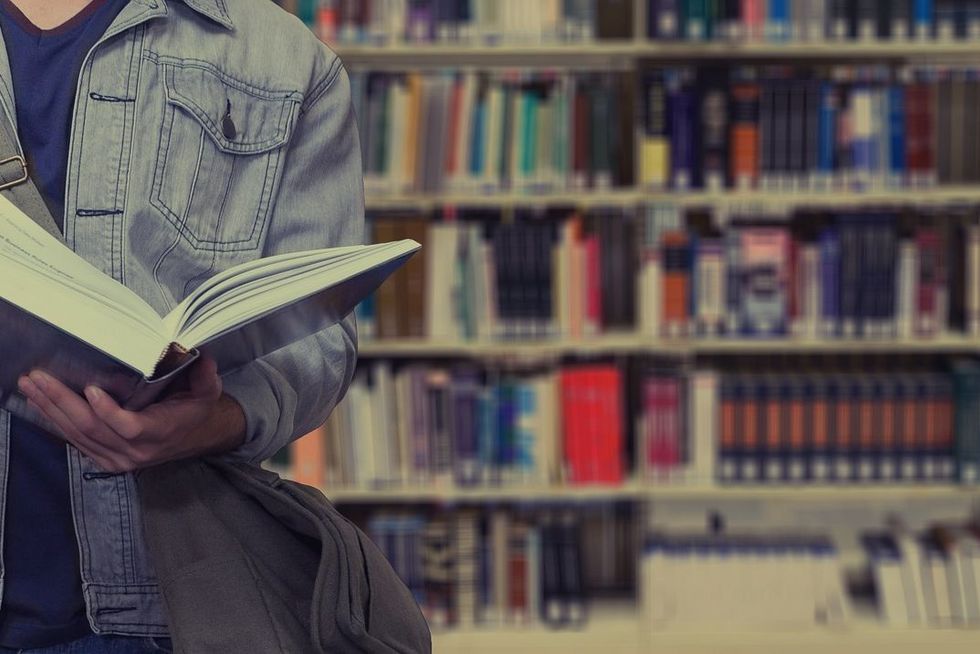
<point>213,9</point>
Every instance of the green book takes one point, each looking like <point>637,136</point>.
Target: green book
<point>966,396</point>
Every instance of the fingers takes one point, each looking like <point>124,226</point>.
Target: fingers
<point>125,423</point>
<point>105,457</point>
<point>75,419</point>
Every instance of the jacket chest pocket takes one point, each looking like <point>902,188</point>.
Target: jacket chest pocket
<point>219,157</point>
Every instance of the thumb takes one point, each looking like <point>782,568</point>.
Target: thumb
<point>204,380</point>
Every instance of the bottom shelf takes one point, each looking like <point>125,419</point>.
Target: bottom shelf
<point>623,634</point>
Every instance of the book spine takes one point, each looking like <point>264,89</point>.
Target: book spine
<point>744,155</point>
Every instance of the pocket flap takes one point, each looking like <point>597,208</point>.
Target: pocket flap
<point>240,118</point>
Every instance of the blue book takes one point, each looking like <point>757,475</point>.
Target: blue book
<point>524,435</point>
<point>477,146</point>
<point>828,129</point>
<point>896,132</point>
<point>777,20</point>
<point>486,432</point>
<point>680,102</point>
<point>922,18</point>
<point>465,416</point>
<point>830,281</point>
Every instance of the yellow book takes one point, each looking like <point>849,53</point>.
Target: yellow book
<point>654,162</point>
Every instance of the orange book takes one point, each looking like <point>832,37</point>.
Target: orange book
<point>677,279</point>
<point>744,143</point>
<point>413,127</point>
<point>309,462</point>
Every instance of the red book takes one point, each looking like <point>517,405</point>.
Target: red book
<point>517,568</point>
<point>744,155</point>
<point>919,129</point>
<point>573,418</point>
<point>931,277</point>
<point>593,424</point>
<point>608,426</point>
<point>455,100</point>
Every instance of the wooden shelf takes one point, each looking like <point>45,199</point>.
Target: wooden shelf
<point>633,197</point>
<point>597,53</point>
<point>620,344</point>
<point>622,632</point>
<point>850,493</point>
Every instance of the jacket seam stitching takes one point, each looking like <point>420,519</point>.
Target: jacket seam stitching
<point>321,88</point>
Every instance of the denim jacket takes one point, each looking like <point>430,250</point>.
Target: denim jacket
<point>205,133</point>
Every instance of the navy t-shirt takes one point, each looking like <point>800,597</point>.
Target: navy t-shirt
<point>42,598</point>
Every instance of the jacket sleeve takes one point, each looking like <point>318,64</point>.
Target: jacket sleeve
<point>320,204</point>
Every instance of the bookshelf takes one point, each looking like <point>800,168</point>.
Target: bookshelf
<point>624,52</point>
<point>934,196</point>
<point>421,348</point>
<point>618,627</point>
<point>846,494</point>
<point>609,635</point>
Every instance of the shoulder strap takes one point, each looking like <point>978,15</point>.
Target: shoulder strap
<point>19,187</point>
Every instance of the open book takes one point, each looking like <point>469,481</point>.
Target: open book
<point>61,314</point>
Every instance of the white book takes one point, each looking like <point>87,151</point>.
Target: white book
<point>703,424</point>
<point>493,126</point>
<point>907,272</point>
<point>441,322</point>
<point>973,279</point>
<point>461,179</point>
<point>385,421</point>
<point>892,605</point>
<point>968,551</point>
<point>912,578</point>
<point>64,315</point>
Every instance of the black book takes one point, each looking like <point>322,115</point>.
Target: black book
<point>796,128</point>
<point>714,113</point>
<point>900,17</point>
<point>838,19</point>
<point>766,125</point>
<point>850,273</point>
<point>780,129</point>
<point>811,132</point>
<point>865,19</point>
<point>614,19</point>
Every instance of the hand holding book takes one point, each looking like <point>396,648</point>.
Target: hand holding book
<point>60,314</point>
<point>193,422</point>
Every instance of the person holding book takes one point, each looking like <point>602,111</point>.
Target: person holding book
<point>170,140</point>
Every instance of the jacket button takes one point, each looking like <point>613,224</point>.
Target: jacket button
<point>227,124</point>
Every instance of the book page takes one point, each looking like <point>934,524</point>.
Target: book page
<point>264,295</point>
<point>23,239</point>
<point>44,278</point>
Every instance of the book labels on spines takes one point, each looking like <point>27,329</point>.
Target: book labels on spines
<point>499,566</point>
<point>498,131</point>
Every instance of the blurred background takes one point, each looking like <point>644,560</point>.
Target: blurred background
<point>688,361</point>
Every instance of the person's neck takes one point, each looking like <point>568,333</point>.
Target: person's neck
<point>48,14</point>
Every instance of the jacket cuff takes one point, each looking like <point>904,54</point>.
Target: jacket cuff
<point>263,409</point>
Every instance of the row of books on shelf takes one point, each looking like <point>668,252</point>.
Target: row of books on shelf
<point>672,273</point>
<point>784,128</point>
<point>793,578</point>
<point>490,132</point>
<point>521,22</point>
<point>776,128</point>
<point>484,22</point>
<point>596,423</point>
<point>813,20</point>
<point>518,566</point>
<point>926,578</point>
<point>508,565</point>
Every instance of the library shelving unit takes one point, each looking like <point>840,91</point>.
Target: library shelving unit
<point>622,629</point>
